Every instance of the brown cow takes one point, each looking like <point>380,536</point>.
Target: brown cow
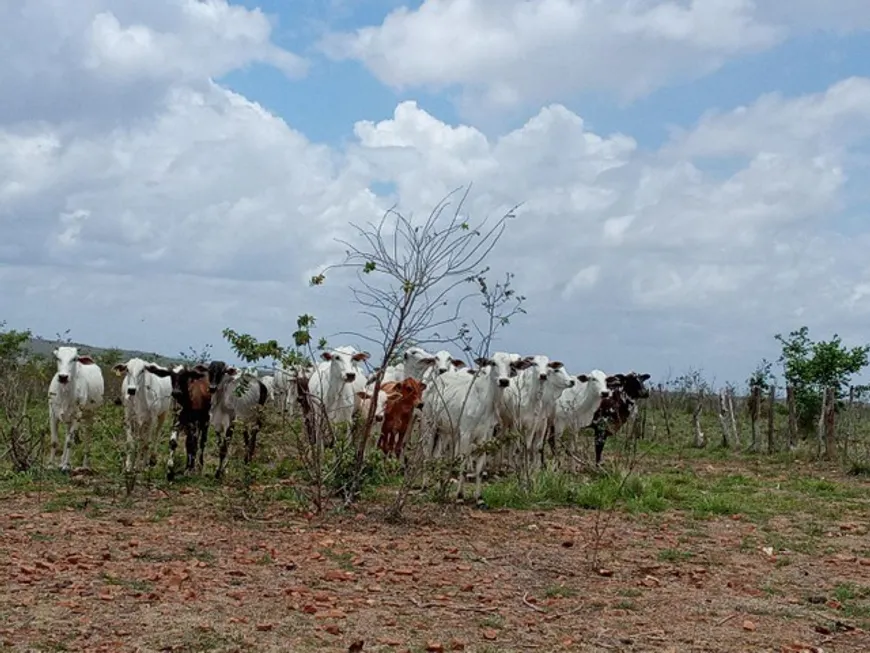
<point>191,392</point>
<point>403,397</point>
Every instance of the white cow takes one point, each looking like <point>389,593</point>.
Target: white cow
<point>285,389</point>
<point>147,399</point>
<point>466,406</point>
<point>423,366</point>
<point>269,382</point>
<point>234,396</point>
<point>416,361</point>
<point>332,386</point>
<point>75,392</point>
<point>576,406</point>
<point>529,403</point>
<point>393,374</point>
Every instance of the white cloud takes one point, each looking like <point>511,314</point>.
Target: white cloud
<point>201,210</point>
<point>509,53</point>
<point>99,61</point>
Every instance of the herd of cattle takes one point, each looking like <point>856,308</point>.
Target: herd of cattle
<point>457,408</point>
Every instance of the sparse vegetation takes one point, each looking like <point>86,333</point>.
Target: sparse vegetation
<point>305,528</point>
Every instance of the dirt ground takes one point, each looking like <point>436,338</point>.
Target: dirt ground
<point>171,574</point>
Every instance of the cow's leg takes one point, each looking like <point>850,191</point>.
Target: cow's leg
<point>86,433</point>
<point>170,460</point>
<point>250,432</point>
<point>154,442</point>
<point>144,444</point>
<point>191,443</point>
<point>130,462</point>
<point>460,482</point>
<point>478,480</point>
<point>67,444</point>
<point>223,448</point>
<point>203,440</point>
<point>53,420</point>
<point>600,439</point>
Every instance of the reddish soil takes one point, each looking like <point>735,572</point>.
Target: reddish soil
<point>173,574</point>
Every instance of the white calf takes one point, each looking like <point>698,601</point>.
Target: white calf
<point>576,406</point>
<point>285,387</point>
<point>363,399</point>
<point>416,361</point>
<point>332,384</point>
<point>393,374</point>
<point>147,400</point>
<point>75,392</point>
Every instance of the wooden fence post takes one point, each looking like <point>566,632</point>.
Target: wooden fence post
<point>771,413</point>
<point>792,417</point>
<point>754,413</point>
<point>700,440</point>
<point>850,433</point>
<point>734,431</point>
<point>829,421</point>
<point>665,412</point>
<point>723,417</point>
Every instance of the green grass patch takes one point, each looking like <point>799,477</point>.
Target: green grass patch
<point>674,555</point>
<point>343,560</point>
<point>132,584</point>
<point>703,496</point>
<point>630,592</point>
<point>855,600</point>
<point>560,591</point>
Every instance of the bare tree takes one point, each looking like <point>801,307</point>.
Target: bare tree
<point>407,279</point>
<point>500,303</point>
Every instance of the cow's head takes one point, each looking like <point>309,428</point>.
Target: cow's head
<point>502,367</point>
<point>66,359</point>
<point>443,361</point>
<point>557,377</point>
<point>344,362</point>
<point>180,376</point>
<point>597,382</point>
<point>134,372</point>
<point>217,372</point>
<point>633,385</point>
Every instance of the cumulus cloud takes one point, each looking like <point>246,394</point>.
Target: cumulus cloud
<point>517,53</point>
<point>102,61</point>
<point>158,228</point>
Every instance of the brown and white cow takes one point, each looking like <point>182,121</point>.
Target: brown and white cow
<point>191,393</point>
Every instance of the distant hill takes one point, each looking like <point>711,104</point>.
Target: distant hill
<point>44,347</point>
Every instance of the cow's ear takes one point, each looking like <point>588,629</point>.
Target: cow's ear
<point>86,360</point>
<point>120,369</point>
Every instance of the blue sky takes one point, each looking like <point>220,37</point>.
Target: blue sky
<point>326,104</point>
<point>675,214</point>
